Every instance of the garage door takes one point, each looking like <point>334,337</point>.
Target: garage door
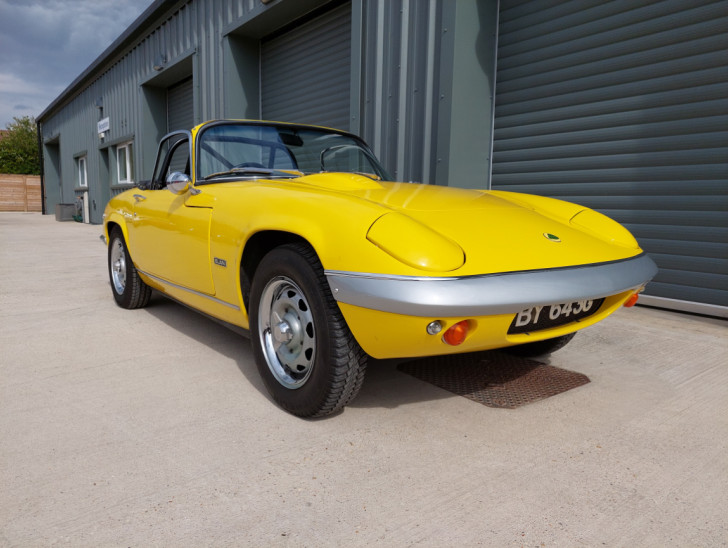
<point>305,72</point>
<point>623,107</point>
<point>180,108</point>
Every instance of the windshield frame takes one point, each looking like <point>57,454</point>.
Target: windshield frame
<point>381,172</point>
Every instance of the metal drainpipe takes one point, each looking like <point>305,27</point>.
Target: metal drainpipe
<point>42,168</point>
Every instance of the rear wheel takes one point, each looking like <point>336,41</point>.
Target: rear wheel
<point>309,360</point>
<point>128,288</point>
<point>539,348</point>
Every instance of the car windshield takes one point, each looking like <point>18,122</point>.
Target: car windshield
<point>234,150</point>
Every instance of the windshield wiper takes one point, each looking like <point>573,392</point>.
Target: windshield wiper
<point>278,173</point>
<point>372,176</point>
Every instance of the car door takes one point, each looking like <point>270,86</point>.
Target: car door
<point>169,233</point>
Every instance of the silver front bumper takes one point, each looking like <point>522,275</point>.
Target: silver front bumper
<point>489,294</point>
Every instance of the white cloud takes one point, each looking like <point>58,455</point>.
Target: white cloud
<point>46,44</point>
<point>20,98</point>
<point>15,85</point>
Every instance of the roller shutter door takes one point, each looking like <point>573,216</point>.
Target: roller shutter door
<point>623,106</point>
<point>305,72</point>
<point>180,108</point>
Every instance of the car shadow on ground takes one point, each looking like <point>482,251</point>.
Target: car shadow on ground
<point>205,330</point>
<point>492,378</point>
<point>385,386</point>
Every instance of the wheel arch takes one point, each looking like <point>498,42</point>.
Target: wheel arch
<point>111,224</point>
<point>257,246</point>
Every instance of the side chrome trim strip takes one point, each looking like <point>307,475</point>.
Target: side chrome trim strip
<point>188,290</point>
<point>489,294</point>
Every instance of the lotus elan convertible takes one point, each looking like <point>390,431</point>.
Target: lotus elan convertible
<point>297,235</point>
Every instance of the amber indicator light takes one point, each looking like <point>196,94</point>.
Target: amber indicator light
<point>457,333</point>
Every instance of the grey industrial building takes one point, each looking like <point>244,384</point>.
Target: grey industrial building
<point>619,105</point>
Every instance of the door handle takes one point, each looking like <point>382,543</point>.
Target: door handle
<point>139,197</point>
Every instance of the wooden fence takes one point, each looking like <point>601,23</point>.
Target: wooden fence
<point>20,193</point>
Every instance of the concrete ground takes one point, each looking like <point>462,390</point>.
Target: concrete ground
<point>152,428</point>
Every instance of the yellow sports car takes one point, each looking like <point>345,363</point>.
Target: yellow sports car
<point>297,234</point>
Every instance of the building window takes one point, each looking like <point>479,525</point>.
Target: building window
<point>124,164</point>
<point>82,173</point>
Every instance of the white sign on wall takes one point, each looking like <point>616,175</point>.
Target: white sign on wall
<point>103,126</point>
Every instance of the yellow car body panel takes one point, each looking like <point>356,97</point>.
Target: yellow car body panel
<point>171,231</point>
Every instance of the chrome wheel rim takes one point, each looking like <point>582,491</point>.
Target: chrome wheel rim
<point>286,331</point>
<point>117,264</point>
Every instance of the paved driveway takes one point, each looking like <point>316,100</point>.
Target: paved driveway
<point>151,427</point>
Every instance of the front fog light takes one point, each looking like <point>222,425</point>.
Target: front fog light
<point>433,328</point>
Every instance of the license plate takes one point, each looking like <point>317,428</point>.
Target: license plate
<point>537,318</point>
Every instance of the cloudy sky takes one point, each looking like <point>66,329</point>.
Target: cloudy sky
<point>46,44</point>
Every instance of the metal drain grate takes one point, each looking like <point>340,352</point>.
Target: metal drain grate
<point>494,378</point>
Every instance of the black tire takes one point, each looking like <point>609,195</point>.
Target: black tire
<point>128,288</point>
<point>310,362</point>
<point>539,348</point>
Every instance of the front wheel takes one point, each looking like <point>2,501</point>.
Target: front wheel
<point>128,288</point>
<point>539,348</point>
<point>309,360</point>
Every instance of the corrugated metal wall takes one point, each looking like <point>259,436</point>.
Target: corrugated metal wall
<point>305,72</point>
<point>623,107</point>
<point>400,92</point>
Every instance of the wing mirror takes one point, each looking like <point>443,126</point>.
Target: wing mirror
<point>178,183</point>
